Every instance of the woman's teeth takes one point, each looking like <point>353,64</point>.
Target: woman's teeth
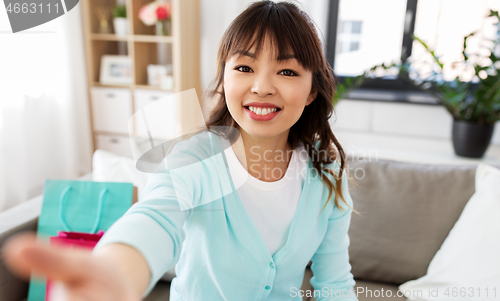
<point>262,111</point>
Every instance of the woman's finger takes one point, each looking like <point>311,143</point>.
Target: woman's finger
<point>24,255</point>
<point>11,253</point>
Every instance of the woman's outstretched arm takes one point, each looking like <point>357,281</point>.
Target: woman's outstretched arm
<point>140,246</point>
<point>130,263</point>
<point>118,272</point>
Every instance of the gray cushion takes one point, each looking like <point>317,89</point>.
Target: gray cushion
<point>407,211</point>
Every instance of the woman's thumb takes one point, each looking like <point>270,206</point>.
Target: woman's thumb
<point>24,255</point>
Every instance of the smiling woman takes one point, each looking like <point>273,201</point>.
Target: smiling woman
<point>271,56</point>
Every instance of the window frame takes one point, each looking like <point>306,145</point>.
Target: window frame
<point>402,90</point>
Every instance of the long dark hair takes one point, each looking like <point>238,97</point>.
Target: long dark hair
<point>289,28</point>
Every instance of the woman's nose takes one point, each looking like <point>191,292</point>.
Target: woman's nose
<point>263,85</point>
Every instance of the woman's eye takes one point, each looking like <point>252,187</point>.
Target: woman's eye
<point>288,73</point>
<point>245,68</point>
<point>285,72</point>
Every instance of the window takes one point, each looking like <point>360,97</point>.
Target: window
<point>349,36</point>
<point>445,23</point>
<point>365,33</point>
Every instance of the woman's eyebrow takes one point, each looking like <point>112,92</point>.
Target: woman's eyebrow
<point>252,55</point>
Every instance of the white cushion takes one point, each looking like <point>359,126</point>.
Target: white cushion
<point>108,167</point>
<point>467,266</point>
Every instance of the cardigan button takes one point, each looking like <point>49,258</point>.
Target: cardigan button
<point>268,287</point>
<point>271,265</point>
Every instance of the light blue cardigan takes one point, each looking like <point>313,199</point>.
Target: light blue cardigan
<point>220,255</point>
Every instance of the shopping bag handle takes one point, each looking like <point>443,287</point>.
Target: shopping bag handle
<point>99,209</point>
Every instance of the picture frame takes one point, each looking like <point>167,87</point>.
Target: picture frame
<point>155,73</point>
<point>116,70</point>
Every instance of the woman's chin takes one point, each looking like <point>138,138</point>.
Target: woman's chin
<point>263,131</point>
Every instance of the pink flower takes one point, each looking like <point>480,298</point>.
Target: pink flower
<point>147,13</point>
<point>154,12</point>
<point>163,11</point>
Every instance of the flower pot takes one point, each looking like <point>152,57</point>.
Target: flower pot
<point>163,28</point>
<point>120,25</point>
<point>471,139</point>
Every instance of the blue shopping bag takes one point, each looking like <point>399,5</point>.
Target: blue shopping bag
<point>79,206</point>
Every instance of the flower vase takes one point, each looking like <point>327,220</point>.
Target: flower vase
<point>163,28</point>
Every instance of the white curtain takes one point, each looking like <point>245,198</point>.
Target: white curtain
<point>216,15</point>
<point>44,118</point>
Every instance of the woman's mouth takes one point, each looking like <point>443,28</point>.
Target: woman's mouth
<point>262,113</point>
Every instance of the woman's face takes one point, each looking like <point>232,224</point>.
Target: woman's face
<point>264,96</point>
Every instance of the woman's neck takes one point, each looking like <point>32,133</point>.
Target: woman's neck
<point>267,158</point>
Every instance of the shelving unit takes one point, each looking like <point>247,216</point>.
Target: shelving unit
<point>116,103</point>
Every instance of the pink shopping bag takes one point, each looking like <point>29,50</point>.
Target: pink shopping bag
<point>71,240</point>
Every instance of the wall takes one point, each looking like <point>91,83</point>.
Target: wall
<point>397,120</point>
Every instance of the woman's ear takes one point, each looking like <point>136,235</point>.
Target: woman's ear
<point>311,97</point>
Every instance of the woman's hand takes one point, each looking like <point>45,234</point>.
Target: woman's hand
<point>84,276</point>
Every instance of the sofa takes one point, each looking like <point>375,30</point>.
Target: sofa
<point>406,211</point>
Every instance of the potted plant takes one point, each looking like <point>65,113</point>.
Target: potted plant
<point>474,104</point>
<point>157,13</point>
<point>120,20</point>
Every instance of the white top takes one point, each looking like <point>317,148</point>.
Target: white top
<point>270,205</point>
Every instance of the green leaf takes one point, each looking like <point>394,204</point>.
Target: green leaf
<point>120,11</point>
<point>430,51</point>
<point>466,57</point>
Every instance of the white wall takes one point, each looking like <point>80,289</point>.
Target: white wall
<point>397,120</point>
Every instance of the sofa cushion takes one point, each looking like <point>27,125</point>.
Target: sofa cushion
<point>468,257</point>
<point>407,211</point>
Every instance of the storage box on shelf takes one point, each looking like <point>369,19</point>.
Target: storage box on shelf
<point>119,145</point>
<point>111,109</point>
<point>113,105</point>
